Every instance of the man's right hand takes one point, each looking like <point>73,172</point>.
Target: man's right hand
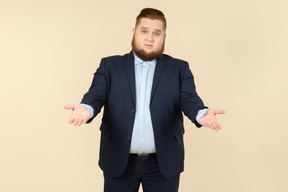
<point>80,114</point>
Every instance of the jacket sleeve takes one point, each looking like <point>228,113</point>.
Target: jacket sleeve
<point>190,102</point>
<point>97,93</point>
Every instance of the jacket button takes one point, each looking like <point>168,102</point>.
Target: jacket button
<point>133,110</point>
<point>128,138</point>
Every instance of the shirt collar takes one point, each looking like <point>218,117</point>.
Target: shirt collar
<point>138,61</point>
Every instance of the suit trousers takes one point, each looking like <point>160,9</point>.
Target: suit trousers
<point>144,170</point>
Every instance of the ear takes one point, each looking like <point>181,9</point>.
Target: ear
<point>133,31</point>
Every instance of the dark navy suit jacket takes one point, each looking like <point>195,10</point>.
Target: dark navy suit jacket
<point>173,92</point>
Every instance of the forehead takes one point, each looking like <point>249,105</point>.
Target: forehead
<point>152,24</point>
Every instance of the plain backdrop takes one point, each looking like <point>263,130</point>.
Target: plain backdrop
<point>237,51</point>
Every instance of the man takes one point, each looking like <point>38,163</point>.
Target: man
<point>144,94</point>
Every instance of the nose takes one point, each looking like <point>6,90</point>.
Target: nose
<point>150,37</point>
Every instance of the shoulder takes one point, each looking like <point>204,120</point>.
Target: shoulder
<point>116,62</point>
<point>117,58</point>
<point>170,59</point>
<point>173,62</point>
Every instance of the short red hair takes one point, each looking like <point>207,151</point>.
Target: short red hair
<point>151,13</point>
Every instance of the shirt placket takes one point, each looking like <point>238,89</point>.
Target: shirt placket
<point>143,85</point>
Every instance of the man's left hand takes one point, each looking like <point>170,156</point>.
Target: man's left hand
<point>209,119</point>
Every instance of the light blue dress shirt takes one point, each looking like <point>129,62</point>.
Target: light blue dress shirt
<point>143,135</point>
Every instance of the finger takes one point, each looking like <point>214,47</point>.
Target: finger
<point>210,125</point>
<point>205,124</point>
<point>219,126</point>
<point>69,107</point>
<point>71,120</point>
<point>80,122</point>
<point>76,122</point>
<point>215,125</point>
<point>219,111</point>
<point>85,121</point>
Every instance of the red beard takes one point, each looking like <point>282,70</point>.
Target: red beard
<point>142,54</point>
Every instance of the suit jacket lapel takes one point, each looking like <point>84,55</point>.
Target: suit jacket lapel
<point>160,65</point>
<point>130,69</point>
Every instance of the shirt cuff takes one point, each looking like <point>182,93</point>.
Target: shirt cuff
<point>200,114</point>
<point>90,109</point>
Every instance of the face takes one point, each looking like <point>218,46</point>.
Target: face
<point>149,39</point>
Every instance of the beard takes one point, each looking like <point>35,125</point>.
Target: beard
<point>142,54</point>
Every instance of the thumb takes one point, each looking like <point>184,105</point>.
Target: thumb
<point>69,107</point>
<point>219,111</point>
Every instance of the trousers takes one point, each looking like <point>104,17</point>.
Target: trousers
<point>144,170</point>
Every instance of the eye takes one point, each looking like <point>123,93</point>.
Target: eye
<point>144,31</point>
<point>156,34</point>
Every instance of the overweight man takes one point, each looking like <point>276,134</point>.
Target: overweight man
<point>144,94</point>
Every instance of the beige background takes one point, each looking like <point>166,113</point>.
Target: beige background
<point>237,50</point>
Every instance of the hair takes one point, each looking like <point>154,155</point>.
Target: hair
<point>151,13</point>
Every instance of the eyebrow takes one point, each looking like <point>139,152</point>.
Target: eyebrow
<point>158,30</point>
